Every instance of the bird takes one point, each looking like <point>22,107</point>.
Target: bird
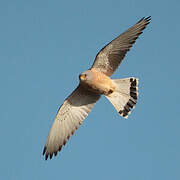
<point>93,83</point>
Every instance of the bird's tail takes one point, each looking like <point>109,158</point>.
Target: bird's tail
<point>124,97</point>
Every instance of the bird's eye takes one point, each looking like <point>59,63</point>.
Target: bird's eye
<point>82,77</point>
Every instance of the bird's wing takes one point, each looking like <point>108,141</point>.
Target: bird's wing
<point>109,57</point>
<point>70,115</point>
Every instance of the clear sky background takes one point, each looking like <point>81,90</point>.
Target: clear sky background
<point>44,45</point>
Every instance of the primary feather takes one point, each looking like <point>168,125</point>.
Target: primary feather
<point>70,115</point>
<point>109,57</point>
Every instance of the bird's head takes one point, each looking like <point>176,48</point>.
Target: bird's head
<point>86,76</point>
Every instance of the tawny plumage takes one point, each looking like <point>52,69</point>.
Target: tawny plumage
<point>122,93</point>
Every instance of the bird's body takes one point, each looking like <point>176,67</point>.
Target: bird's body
<point>99,84</point>
<point>96,81</point>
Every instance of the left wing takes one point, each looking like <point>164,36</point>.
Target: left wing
<point>70,115</point>
<point>109,58</point>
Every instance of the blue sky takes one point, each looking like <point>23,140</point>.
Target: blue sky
<point>44,46</point>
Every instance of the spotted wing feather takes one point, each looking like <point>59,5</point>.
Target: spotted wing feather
<point>110,57</point>
<point>70,115</point>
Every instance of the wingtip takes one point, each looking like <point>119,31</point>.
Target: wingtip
<point>44,153</point>
<point>50,155</point>
<point>146,19</point>
<point>46,157</point>
<point>44,150</point>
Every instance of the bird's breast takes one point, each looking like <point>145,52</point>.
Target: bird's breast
<point>100,84</point>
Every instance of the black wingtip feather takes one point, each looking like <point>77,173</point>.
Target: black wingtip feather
<point>140,20</point>
<point>146,19</point>
<point>44,150</point>
<point>60,148</point>
<point>51,155</point>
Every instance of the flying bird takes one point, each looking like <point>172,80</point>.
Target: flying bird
<point>96,81</point>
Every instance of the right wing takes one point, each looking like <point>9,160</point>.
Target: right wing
<point>110,57</point>
<point>70,115</point>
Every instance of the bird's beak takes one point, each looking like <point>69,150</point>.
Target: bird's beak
<point>82,77</point>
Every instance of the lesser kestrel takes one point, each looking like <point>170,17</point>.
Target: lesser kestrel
<point>96,81</point>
